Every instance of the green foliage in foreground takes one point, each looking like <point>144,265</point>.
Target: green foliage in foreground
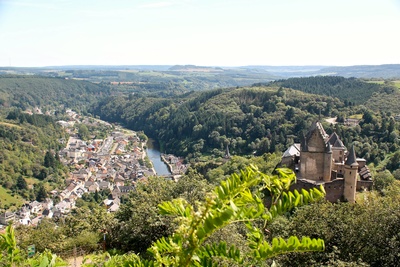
<point>12,256</point>
<point>236,200</point>
<point>366,233</point>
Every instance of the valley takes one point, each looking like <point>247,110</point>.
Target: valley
<point>88,156</point>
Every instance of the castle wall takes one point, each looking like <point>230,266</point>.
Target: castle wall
<point>339,168</point>
<point>316,143</point>
<point>334,189</point>
<point>338,154</point>
<point>312,165</point>
<point>364,185</point>
<point>288,162</point>
<point>327,166</point>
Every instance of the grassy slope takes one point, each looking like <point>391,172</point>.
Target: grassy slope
<point>6,199</point>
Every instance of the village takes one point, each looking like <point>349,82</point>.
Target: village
<point>113,164</point>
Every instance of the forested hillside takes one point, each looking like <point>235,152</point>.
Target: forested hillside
<point>346,89</point>
<point>386,99</point>
<point>48,93</point>
<point>252,120</point>
<point>27,154</point>
<point>247,119</point>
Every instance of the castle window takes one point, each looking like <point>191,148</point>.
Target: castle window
<point>350,172</point>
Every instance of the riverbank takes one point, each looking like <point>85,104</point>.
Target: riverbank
<point>175,164</point>
<point>154,155</point>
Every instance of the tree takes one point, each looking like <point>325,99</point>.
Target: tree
<point>49,160</point>
<point>363,232</point>
<point>83,131</point>
<point>41,193</point>
<point>138,222</point>
<point>11,256</point>
<point>21,183</point>
<point>383,180</point>
<point>236,200</point>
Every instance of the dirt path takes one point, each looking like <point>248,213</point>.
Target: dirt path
<point>78,263</point>
<point>331,120</point>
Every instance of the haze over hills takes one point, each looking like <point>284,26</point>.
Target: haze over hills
<point>386,71</point>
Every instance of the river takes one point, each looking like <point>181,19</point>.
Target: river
<point>154,155</point>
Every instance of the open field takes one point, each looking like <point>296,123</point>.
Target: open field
<point>396,82</point>
<point>6,199</point>
<point>356,116</point>
<point>378,82</point>
<point>9,124</point>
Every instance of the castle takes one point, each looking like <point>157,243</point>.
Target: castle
<point>321,159</point>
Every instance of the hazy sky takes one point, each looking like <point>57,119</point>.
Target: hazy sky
<point>200,32</point>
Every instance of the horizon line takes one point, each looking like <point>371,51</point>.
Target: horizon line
<point>164,65</point>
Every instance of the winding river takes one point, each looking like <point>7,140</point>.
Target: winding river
<point>154,155</point>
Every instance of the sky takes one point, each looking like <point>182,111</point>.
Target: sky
<point>37,33</point>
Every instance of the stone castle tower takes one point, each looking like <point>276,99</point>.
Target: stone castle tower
<point>316,155</point>
<point>321,159</point>
<point>350,176</point>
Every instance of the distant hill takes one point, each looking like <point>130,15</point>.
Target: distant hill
<point>386,71</point>
<point>347,89</point>
<point>87,67</point>
<point>364,71</point>
<point>35,91</point>
<point>288,71</point>
<point>194,68</point>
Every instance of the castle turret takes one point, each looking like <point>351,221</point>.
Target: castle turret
<point>350,176</point>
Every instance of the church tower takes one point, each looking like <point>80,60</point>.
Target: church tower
<point>350,176</point>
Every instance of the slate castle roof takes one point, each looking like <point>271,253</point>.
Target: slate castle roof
<point>351,158</point>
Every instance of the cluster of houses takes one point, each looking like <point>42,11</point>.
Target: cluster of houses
<point>175,164</point>
<point>114,164</point>
<point>29,213</point>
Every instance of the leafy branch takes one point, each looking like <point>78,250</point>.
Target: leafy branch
<point>239,198</point>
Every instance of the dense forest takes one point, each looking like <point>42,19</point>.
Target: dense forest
<point>348,90</point>
<point>28,92</point>
<point>247,119</point>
